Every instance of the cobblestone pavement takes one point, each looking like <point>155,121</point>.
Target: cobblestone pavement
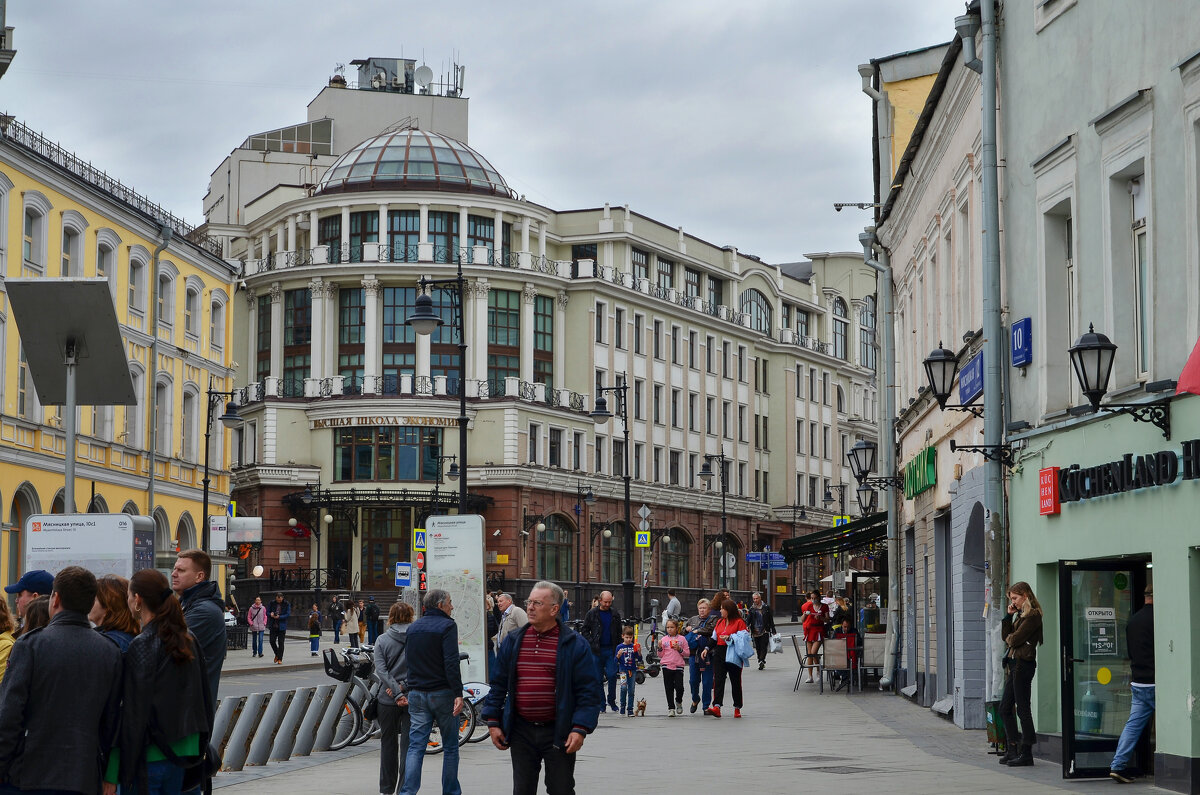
<point>787,742</point>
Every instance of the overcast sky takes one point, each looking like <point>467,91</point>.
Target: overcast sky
<point>742,122</point>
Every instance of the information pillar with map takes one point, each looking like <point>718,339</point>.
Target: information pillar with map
<point>454,563</point>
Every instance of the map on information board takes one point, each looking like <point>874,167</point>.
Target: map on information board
<point>454,563</point>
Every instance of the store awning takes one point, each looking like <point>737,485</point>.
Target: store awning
<point>852,535</point>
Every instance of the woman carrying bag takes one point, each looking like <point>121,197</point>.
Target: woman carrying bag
<point>1022,631</point>
<point>166,709</point>
<point>391,665</point>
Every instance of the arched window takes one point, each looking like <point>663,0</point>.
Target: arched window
<point>675,556</point>
<point>612,559</point>
<point>107,243</point>
<point>25,504</point>
<point>97,505</point>
<point>556,550</point>
<point>139,260</point>
<point>73,226</point>
<point>33,247</point>
<point>162,417</point>
<point>185,532</point>
<point>131,431</point>
<point>216,320</point>
<point>841,400</point>
<point>866,333</point>
<point>164,545</point>
<point>165,305</point>
<point>840,325</point>
<point>191,310</point>
<point>756,305</point>
<point>187,425</point>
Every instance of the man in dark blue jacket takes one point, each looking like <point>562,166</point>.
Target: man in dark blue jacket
<point>1139,639</point>
<point>434,691</point>
<point>545,695</point>
<point>203,610</point>
<point>277,621</point>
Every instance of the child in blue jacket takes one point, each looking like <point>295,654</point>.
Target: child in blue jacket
<point>628,659</point>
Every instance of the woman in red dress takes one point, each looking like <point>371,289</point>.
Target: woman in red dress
<point>814,612</point>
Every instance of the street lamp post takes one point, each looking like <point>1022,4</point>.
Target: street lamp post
<point>584,498</point>
<point>423,321</point>
<point>706,475</point>
<point>229,419</point>
<point>601,415</point>
<point>798,512</point>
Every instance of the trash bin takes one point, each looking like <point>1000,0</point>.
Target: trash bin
<point>995,726</point>
<point>237,638</point>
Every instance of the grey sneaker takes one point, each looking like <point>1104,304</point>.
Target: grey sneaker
<point>1121,776</point>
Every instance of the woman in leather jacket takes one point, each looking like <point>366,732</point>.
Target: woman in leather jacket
<point>166,709</point>
<point>1022,632</point>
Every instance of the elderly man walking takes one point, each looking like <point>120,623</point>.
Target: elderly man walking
<point>602,630</point>
<point>511,617</point>
<point>545,696</point>
<point>434,691</point>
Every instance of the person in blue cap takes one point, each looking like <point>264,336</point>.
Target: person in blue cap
<point>32,584</point>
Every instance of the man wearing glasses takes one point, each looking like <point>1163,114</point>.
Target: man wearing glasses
<point>545,696</point>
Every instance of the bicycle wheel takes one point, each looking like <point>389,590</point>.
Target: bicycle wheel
<point>348,726</point>
<point>481,731</point>
<point>466,725</point>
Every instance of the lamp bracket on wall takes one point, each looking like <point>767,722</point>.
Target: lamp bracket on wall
<point>992,452</point>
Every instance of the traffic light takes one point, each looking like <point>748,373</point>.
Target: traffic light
<point>422,583</point>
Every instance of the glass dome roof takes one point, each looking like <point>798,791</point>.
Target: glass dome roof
<point>413,159</point>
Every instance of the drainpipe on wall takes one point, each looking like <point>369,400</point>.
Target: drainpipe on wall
<point>996,532</point>
<point>887,439</point>
<point>165,233</point>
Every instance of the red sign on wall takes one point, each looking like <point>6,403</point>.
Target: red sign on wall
<point>1048,491</point>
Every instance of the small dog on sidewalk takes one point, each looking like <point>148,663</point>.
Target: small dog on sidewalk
<point>640,711</point>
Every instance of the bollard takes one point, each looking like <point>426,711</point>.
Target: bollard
<point>236,749</point>
<point>286,738</point>
<point>329,720</point>
<point>227,712</point>
<point>308,727</point>
<point>268,726</point>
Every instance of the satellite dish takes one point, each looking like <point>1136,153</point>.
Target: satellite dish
<point>423,76</point>
<point>378,81</point>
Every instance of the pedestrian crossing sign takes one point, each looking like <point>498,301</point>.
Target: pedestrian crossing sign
<point>641,538</point>
<point>418,540</point>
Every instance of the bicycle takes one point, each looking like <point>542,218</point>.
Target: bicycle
<point>467,719</point>
<point>651,662</point>
<point>356,666</point>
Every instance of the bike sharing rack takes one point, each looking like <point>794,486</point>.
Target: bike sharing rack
<point>274,727</point>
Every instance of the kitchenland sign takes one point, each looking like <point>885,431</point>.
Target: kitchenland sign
<point>1132,472</point>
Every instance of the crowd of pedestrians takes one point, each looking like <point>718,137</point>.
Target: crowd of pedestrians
<point>143,659</point>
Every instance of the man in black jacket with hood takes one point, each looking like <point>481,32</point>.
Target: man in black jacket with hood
<point>1139,637</point>
<point>203,609</point>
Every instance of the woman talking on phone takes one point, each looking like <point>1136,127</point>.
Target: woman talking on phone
<point>1022,631</point>
<point>815,614</point>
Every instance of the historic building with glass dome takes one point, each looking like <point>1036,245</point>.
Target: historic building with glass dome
<point>351,419</point>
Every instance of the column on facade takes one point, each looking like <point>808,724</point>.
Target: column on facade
<point>525,222</point>
<point>560,338</point>
<point>280,242</point>
<point>317,341</point>
<point>829,296</point>
<point>528,302</point>
<point>463,220</point>
<point>291,233</point>
<point>266,245</point>
<point>383,232</point>
<point>346,232</point>
<point>276,330</point>
<point>541,238</point>
<point>252,335</point>
<point>330,331</point>
<point>313,234</point>
<point>372,331</point>
<point>424,247</point>
<point>479,341</point>
<point>498,236</point>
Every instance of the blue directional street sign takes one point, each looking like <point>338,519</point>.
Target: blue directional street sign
<point>418,540</point>
<point>403,575</point>
<point>776,564</point>
<point>776,557</point>
<point>754,557</point>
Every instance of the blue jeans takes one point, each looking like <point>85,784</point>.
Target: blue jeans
<point>701,681</point>
<point>337,631</point>
<point>1139,715</point>
<point>162,778</point>
<point>256,642</point>
<point>314,643</point>
<point>606,665</point>
<point>425,707</point>
<point>372,630</point>
<point>628,686</point>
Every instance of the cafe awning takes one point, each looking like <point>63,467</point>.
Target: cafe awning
<point>850,536</point>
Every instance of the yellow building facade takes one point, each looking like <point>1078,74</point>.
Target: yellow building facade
<point>61,217</point>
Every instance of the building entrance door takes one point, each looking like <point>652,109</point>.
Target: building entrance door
<point>1096,600</point>
<point>387,540</point>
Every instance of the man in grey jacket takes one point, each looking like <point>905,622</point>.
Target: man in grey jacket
<point>511,617</point>
<point>58,714</point>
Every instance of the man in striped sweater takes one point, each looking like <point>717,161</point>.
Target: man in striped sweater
<point>545,695</point>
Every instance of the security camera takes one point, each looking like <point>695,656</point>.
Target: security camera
<point>496,533</point>
<point>837,208</point>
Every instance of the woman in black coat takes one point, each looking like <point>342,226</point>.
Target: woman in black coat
<point>1022,632</point>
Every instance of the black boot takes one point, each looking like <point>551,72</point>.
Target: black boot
<point>1010,753</point>
<point>1025,759</point>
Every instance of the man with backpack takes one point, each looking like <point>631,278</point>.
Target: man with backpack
<point>761,622</point>
<point>372,616</point>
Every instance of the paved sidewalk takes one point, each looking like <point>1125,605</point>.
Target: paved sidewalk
<point>786,743</point>
<point>296,655</point>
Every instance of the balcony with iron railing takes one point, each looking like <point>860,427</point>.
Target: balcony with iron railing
<point>405,385</point>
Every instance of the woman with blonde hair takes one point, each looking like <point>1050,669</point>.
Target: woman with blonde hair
<point>7,627</point>
<point>1022,632</point>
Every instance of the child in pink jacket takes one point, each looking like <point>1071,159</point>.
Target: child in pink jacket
<point>673,652</point>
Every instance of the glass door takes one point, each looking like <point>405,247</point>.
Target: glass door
<point>1096,600</point>
<point>386,541</point>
